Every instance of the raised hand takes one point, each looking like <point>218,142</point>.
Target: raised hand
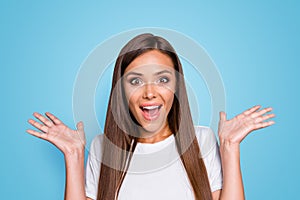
<point>233,131</point>
<point>56,132</point>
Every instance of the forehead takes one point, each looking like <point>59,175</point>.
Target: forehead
<point>154,60</point>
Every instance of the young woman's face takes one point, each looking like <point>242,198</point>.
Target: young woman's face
<point>149,83</point>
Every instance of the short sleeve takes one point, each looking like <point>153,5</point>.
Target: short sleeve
<point>93,166</point>
<point>211,156</point>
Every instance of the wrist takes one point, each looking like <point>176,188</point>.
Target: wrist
<point>229,147</point>
<point>74,153</point>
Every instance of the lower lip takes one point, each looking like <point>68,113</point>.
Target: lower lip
<point>149,117</point>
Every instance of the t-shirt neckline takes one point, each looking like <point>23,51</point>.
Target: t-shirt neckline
<point>153,147</point>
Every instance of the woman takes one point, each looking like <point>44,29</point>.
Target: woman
<point>148,109</point>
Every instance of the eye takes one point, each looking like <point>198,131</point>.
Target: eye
<point>136,81</point>
<point>163,80</point>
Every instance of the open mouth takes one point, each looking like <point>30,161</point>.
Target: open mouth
<point>151,112</point>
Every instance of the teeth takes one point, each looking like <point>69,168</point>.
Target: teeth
<point>150,107</point>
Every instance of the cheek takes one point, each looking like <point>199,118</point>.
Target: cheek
<point>132,99</point>
<point>169,98</point>
<point>130,95</point>
<point>171,87</point>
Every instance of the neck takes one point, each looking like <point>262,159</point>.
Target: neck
<point>153,137</point>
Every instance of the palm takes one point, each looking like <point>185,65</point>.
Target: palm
<point>58,133</point>
<point>237,128</point>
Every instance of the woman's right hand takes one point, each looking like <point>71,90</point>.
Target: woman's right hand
<point>67,140</point>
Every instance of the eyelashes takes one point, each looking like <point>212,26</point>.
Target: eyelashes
<point>136,81</point>
<point>139,82</point>
<point>164,80</point>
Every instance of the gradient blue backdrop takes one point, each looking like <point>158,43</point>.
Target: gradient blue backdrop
<point>254,45</point>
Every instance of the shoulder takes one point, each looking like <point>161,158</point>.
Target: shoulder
<point>204,134</point>
<point>96,147</point>
<point>97,141</point>
<point>206,139</point>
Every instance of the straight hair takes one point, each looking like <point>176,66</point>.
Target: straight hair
<point>112,175</point>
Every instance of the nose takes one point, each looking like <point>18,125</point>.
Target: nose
<point>149,91</point>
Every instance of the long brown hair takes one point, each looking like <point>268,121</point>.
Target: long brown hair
<point>112,174</point>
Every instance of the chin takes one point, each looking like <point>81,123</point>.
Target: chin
<point>153,127</point>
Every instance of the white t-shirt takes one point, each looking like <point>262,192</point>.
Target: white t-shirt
<point>156,170</point>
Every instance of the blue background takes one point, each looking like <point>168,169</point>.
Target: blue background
<point>254,45</point>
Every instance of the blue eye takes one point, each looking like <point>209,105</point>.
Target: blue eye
<point>136,81</point>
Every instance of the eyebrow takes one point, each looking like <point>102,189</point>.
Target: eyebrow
<point>162,72</point>
<point>140,74</point>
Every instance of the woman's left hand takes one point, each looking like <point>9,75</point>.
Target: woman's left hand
<point>233,131</point>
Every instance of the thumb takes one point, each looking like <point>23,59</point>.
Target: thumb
<point>222,116</point>
<point>80,127</point>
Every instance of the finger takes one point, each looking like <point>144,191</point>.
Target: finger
<point>264,124</point>
<point>37,134</point>
<point>38,125</point>
<point>251,110</point>
<point>43,119</point>
<point>264,118</point>
<point>261,112</point>
<point>222,116</point>
<point>54,119</point>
